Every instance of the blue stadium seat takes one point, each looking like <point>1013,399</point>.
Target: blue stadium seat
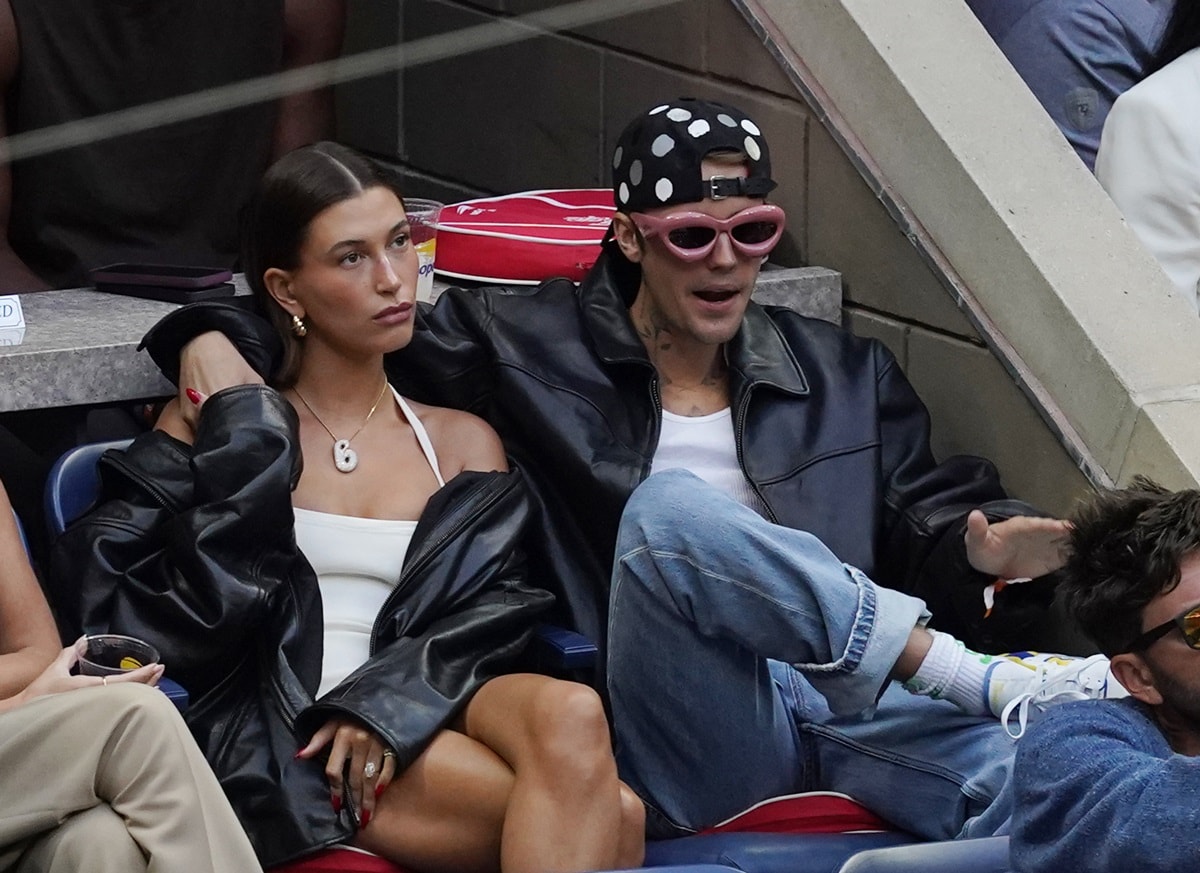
<point>772,853</point>
<point>73,485</point>
<point>988,855</point>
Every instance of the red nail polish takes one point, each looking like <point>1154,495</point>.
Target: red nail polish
<point>296,756</point>
<point>336,803</point>
<point>366,817</point>
<point>378,790</point>
<point>193,395</point>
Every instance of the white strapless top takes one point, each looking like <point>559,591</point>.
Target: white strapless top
<point>357,562</point>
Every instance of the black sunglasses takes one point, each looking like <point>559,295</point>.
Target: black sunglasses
<point>1188,623</point>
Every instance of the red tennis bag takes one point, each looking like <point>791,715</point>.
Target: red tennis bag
<point>523,238</point>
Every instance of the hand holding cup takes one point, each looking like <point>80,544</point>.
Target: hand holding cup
<point>58,677</point>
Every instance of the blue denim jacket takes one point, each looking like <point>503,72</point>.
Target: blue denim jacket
<point>1076,56</point>
<point>1098,790</point>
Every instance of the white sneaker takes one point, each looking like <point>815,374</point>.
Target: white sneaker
<point>1016,682</point>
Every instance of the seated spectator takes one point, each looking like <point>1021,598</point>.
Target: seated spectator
<point>97,774</point>
<point>166,195</point>
<point>331,568</point>
<point>1112,786</point>
<point>1076,56</point>
<point>746,583</point>
<point>1149,159</point>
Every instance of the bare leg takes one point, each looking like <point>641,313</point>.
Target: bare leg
<point>530,788</point>
<point>913,654</point>
<point>446,811</point>
<point>631,846</point>
<point>566,811</point>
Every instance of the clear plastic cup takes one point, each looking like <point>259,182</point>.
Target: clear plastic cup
<point>422,221</point>
<point>109,654</point>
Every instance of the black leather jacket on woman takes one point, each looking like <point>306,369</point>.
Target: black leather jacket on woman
<point>829,433</point>
<point>193,549</point>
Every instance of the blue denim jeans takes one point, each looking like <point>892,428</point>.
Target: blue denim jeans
<point>746,661</point>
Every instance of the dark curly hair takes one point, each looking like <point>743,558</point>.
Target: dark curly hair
<point>1127,546</point>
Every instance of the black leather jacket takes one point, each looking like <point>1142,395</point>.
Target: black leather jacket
<point>829,433</point>
<point>193,550</point>
<point>828,430</point>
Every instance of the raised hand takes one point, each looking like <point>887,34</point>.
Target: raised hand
<point>1018,547</point>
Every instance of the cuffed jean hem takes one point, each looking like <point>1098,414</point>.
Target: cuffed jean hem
<point>885,619</point>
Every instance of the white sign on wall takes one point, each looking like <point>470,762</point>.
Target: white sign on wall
<point>11,315</point>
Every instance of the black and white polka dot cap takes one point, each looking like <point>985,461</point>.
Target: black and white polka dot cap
<point>657,159</point>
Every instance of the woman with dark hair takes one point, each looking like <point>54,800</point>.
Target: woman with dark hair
<point>1149,159</point>
<point>97,774</point>
<point>350,625</point>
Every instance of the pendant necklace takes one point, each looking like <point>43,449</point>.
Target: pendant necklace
<point>344,457</point>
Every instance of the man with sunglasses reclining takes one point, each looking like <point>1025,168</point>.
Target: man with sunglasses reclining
<point>1113,786</point>
<point>809,449</point>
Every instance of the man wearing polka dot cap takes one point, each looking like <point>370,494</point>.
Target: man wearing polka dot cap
<point>780,447</point>
<point>704,592</point>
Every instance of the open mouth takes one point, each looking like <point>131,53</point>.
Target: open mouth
<point>716,296</point>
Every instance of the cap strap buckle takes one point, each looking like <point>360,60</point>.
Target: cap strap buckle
<point>720,187</point>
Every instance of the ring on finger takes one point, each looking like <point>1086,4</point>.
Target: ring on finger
<point>388,753</point>
<point>370,770</point>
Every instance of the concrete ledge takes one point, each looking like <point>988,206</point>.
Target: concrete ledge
<point>80,346</point>
<point>80,349</point>
<point>812,291</point>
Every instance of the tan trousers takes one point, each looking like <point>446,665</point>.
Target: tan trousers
<point>108,780</point>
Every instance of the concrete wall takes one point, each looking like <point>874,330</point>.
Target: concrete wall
<point>1021,235</point>
<point>545,112</point>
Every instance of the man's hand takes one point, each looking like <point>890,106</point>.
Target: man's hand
<point>1018,547</point>
<point>207,364</point>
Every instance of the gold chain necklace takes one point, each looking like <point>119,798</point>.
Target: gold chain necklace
<point>344,457</point>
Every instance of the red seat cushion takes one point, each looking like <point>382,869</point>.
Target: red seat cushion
<point>524,238</point>
<point>340,861</point>
<point>815,812</point>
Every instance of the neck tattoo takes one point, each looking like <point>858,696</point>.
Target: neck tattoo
<point>344,457</point>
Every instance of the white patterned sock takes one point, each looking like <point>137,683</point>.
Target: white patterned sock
<point>952,672</point>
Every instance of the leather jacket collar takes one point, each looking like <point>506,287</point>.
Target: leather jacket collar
<point>757,355</point>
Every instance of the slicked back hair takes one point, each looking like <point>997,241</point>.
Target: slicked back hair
<point>1127,547</point>
<point>294,191</point>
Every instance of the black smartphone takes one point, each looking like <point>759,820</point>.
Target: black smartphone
<point>348,803</point>
<point>168,282</point>
<point>161,275</point>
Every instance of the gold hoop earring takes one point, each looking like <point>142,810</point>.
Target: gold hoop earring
<point>299,328</point>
